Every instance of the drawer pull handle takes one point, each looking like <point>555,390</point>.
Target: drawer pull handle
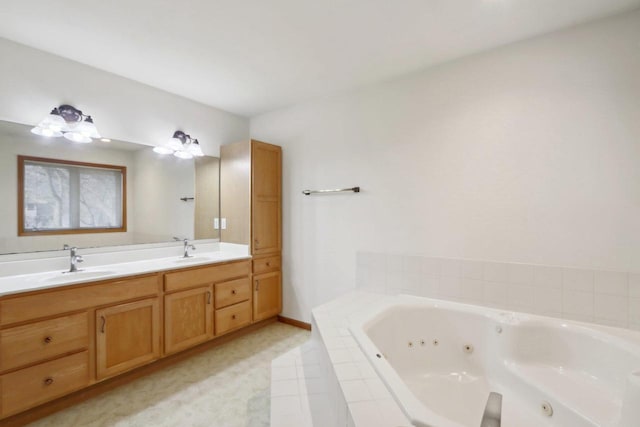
<point>208,297</point>
<point>233,291</point>
<point>48,339</point>
<point>104,323</point>
<point>233,317</point>
<point>256,242</point>
<point>48,381</point>
<point>268,263</point>
<point>257,285</point>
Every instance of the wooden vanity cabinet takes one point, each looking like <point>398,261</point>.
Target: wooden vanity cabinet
<point>233,305</point>
<point>251,202</point>
<point>127,336</point>
<point>53,342</point>
<point>57,341</point>
<point>188,318</point>
<point>267,295</point>
<point>194,297</point>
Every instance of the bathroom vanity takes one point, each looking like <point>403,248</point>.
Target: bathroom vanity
<point>60,339</point>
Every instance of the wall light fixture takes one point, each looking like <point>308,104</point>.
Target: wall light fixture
<point>180,145</point>
<point>69,122</point>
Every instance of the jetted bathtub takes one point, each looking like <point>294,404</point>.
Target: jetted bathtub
<point>441,361</point>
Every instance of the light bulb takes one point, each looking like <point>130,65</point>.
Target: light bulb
<point>183,155</point>
<point>77,137</point>
<point>194,148</point>
<point>87,128</point>
<point>162,150</point>
<point>48,132</point>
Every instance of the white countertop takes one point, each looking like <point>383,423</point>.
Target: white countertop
<point>51,279</point>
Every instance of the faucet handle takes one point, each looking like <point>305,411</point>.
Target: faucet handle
<point>79,258</point>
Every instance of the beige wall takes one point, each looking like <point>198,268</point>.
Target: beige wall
<point>159,183</point>
<point>207,193</point>
<point>528,153</point>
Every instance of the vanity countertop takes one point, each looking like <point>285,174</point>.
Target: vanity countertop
<point>52,279</point>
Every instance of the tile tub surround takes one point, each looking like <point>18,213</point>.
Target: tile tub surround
<point>605,297</point>
<point>328,381</point>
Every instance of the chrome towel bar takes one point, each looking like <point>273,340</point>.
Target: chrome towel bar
<point>338,190</point>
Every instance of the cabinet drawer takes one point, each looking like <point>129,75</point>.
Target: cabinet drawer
<point>37,341</point>
<point>232,317</point>
<point>205,275</point>
<point>32,386</point>
<point>63,300</point>
<point>266,264</point>
<point>232,292</point>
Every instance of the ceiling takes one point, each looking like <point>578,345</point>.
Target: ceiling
<point>252,56</point>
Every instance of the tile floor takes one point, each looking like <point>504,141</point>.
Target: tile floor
<point>228,386</point>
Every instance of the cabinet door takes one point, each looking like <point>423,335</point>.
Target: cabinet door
<point>188,318</point>
<point>267,295</point>
<point>127,336</point>
<point>266,186</point>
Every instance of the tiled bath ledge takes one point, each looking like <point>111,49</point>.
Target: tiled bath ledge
<point>328,381</point>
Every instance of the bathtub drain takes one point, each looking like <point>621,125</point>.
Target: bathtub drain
<point>547,409</point>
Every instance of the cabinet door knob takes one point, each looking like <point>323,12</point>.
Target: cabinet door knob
<point>268,263</point>
<point>48,381</point>
<point>233,317</point>
<point>48,339</point>
<point>233,291</point>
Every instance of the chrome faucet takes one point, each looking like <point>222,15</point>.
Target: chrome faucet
<point>75,258</point>
<point>187,246</point>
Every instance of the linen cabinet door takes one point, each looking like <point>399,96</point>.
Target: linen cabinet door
<point>127,336</point>
<point>188,318</point>
<point>266,183</point>
<point>267,295</point>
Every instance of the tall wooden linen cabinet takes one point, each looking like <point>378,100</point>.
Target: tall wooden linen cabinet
<point>251,206</point>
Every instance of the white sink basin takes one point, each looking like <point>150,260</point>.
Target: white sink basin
<point>192,259</point>
<point>78,275</point>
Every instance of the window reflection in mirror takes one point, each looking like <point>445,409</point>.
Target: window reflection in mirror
<point>65,197</point>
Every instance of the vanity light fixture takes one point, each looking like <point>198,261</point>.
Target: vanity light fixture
<point>181,145</point>
<point>69,122</point>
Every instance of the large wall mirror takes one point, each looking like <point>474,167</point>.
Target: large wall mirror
<point>54,191</point>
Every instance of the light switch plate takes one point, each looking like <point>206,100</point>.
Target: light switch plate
<point>223,223</point>
<point>216,223</point>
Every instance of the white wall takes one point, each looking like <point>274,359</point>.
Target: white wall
<point>528,153</point>
<point>32,82</point>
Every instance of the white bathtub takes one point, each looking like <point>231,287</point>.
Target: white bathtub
<point>440,360</point>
